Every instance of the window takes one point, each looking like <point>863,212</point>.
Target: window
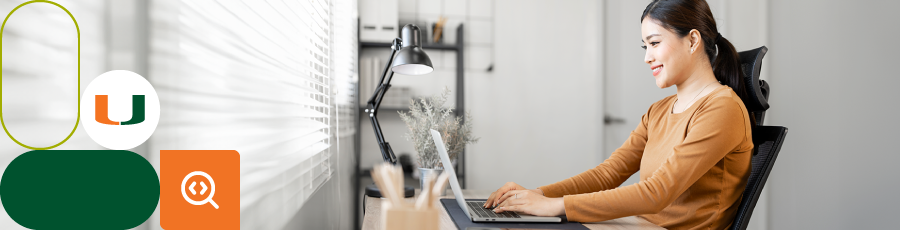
<point>266,78</point>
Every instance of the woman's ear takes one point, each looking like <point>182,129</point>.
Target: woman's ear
<point>695,40</point>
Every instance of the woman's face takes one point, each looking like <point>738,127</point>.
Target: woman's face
<point>668,54</point>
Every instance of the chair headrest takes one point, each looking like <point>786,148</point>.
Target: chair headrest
<point>757,90</point>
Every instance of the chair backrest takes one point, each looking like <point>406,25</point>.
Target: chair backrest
<point>757,90</point>
<point>767,140</point>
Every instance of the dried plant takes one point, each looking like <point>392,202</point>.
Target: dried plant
<point>425,115</point>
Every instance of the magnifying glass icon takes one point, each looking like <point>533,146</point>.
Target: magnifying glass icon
<point>212,185</point>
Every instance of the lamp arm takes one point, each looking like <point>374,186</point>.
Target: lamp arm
<point>375,102</point>
<point>387,153</point>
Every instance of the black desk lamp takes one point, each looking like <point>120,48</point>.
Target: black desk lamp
<point>407,58</point>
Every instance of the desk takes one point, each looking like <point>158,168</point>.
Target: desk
<point>372,219</point>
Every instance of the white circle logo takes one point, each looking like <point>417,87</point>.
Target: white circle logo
<point>120,109</point>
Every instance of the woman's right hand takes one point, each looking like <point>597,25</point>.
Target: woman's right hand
<point>494,199</point>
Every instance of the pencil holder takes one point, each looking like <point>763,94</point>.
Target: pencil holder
<point>407,217</point>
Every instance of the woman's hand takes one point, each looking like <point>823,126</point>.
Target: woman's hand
<point>494,199</point>
<point>531,202</point>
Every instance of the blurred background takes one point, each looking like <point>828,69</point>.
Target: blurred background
<point>553,88</point>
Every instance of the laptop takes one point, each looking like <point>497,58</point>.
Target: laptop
<point>475,209</point>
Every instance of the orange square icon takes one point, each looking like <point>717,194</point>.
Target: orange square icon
<point>200,189</point>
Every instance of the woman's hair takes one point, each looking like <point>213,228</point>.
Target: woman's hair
<point>682,16</point>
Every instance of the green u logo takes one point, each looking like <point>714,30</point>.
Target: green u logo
<point>101,110</point>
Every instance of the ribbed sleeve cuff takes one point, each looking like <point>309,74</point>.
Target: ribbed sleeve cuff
<point>549,191</point>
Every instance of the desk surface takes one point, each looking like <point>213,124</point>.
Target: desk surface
<point>372,218</point>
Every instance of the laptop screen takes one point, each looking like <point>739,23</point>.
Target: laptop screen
<point>448,167</point>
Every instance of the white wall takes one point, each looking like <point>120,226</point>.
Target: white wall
<point>538,112</point>
<point>834,86</point>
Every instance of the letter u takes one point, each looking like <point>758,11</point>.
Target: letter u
<point>101,110</point>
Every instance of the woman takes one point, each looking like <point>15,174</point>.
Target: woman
<point>692,149</point>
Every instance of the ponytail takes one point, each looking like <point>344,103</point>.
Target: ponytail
<point>727,66</point>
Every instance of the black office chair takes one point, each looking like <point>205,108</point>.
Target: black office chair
<point>767,140</point>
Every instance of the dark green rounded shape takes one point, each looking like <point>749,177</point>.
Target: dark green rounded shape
<point>79,189</point>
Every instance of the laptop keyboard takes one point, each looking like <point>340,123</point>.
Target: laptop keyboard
<point>477,208</point>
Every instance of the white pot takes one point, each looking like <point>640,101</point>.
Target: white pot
<point>424,172</point>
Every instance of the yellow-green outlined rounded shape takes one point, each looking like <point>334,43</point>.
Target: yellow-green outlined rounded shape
<point>78,115</point>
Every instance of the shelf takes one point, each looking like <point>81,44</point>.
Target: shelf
<point>382,110</point>
<point>424,46</point>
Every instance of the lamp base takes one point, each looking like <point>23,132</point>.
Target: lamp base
<point>373,191</point>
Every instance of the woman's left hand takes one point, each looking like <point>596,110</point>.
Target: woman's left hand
<point>531,203</point>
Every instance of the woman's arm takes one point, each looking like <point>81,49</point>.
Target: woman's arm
<point>547,200</point>
<point>624,162</point>
<point>714,133</point>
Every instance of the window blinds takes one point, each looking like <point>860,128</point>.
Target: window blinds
<point>257,77</point>
<point>345,65</point>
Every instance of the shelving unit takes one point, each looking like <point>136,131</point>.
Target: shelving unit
<point>459,110</point>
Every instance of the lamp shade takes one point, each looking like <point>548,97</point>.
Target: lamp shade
<point>411,59</point>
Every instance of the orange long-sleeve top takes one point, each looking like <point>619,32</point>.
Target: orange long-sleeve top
<point>693,168</point>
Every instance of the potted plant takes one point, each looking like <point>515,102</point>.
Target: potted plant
<point>426,114</point>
